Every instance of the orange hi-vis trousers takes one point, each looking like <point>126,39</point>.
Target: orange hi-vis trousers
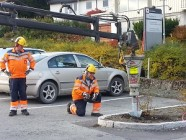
<point>16,104</point>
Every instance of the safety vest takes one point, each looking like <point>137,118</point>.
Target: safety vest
<point>17,63</point>
<point>81,86</point>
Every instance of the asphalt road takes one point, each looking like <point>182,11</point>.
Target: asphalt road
<point>52,122</point>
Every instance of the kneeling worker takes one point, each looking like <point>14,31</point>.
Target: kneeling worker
<point>85,90</point>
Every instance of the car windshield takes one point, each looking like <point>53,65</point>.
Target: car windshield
<point>39,57</point>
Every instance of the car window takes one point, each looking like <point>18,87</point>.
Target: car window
<point>62,61</point>
<point>85,60</point>
<point>31,52</point>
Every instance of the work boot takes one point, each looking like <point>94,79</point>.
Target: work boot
<point>68,108</point>
<point>13,112</point>
<point>96,114</point>
<point>25,112</point>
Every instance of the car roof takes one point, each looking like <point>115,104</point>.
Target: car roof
<point>5,50</point>
<point>58,53</point>
<point>25,48</point>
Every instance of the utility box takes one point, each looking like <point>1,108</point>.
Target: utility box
<point>133,65</point>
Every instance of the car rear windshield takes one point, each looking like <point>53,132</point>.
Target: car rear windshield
<point>39,57</point>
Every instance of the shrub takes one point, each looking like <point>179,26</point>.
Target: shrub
<point>170,24</point>
<point>4,30</point>
<point>180,32</point>
<point>167,61</point>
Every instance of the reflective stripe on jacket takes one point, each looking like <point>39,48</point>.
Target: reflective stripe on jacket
<point>17,63</point>
<point>81,86</point>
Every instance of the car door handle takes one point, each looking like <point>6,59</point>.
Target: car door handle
<point>57,72</point>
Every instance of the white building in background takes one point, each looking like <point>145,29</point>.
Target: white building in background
<point>131,8</point>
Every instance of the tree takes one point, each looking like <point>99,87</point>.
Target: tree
<point>170,24</point>
<point>138,28</point>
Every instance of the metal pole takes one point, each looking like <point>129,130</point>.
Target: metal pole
<point>163,21</point>
<point>148,72</point>
<point>96,4</point>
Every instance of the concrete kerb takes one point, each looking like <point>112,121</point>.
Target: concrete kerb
<point>104,122</point>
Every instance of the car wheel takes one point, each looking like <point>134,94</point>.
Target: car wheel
<point>48,92</point>
<point>116,86</point>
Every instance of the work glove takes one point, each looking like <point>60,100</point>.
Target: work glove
<point>28,71</point>
<point>86,96</point>
<point>94,96</point>
<point>6,72</point>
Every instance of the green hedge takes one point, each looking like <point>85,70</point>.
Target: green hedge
<point>102,52</point>
<point>167,61</point>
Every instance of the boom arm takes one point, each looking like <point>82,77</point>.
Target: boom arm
<point>10,19</point>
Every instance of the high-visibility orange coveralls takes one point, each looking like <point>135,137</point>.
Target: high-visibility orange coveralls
<point>17,66</point>
<point>90,86</point>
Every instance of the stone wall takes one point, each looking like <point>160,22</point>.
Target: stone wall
<point>163,88</point>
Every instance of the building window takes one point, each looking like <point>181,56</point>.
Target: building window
<point>88,5</point>
<point>66,10</point>
<point>105,3</point>
<point>75,6</point>
<point>133,4</point>
<point>136,4</point>
<point>143,3</point>
<point>123,5</point>
<point>70,10</point>
<point>127,5</point>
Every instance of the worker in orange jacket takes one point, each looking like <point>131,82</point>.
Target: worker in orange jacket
<point>85,90</point>
<point>17,60</point>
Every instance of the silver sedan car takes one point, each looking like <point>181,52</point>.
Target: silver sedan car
<point>55,73</point>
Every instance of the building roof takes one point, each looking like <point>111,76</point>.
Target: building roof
<point>61,1</point>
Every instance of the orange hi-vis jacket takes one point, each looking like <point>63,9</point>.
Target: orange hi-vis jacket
<point>17,63</point>
<point>81,86</point>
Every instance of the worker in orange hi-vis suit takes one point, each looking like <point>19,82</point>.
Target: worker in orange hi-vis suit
<point>17,61</point>
<point>85,90</point>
